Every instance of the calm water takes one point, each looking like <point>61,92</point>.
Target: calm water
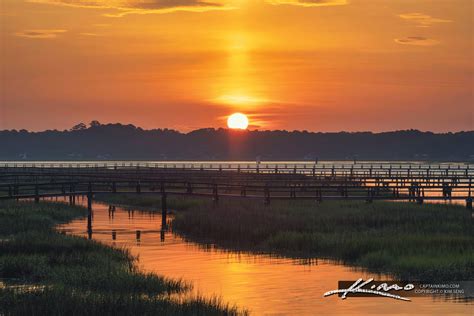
<point>262,284</point>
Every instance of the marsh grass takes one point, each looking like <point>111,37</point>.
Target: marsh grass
<point>409,241</point>
<point>150,202</point>
<point>67,275</point>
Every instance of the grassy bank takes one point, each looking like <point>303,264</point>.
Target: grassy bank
<point>426,242</point>
<point>46,273</point>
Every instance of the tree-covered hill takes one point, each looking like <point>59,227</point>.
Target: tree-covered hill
<point>117,141</point>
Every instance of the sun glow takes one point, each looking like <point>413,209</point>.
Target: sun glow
<point>239,99</point>
<point>238,121</point>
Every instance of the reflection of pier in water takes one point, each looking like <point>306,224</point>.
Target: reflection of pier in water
<point>113,233</point>
<point>132,234</point>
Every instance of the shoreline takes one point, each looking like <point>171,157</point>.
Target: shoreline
<point>45,271</point>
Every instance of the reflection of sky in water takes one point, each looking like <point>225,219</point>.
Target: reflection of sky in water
<point>263,284</point>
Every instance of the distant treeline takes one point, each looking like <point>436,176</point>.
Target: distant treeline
<point>127,142</point>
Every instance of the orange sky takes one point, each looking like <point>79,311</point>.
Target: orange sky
<point>319,65</point>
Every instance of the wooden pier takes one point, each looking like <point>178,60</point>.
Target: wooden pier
<point>266,182</point>
<point>263,182</point>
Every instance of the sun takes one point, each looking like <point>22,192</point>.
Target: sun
<point>238,121</point>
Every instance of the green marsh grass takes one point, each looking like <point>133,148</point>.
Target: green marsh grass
<point>407,240</point>
<point>44,272</point>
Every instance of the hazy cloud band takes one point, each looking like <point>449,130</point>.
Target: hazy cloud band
<point>125,7</point>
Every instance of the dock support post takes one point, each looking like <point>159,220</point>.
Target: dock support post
<point>71,196</point>
<point>469,203</point>
<point>164,211</point>
<point>89,214</point>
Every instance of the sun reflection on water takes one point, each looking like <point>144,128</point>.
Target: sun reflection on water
<point>264,284</point>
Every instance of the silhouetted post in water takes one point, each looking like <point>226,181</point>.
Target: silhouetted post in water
<point>419,200</point>
<point>114,235</point>
<point>89,211</point>
<point>74,196</point>
<point>470,185</point>
<point>138,235</point>
<point>164,210</point>
<point>71,196</point>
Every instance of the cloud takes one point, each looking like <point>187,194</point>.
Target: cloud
<point>416,40</point>
<point>40,34</point>
<point>89,34</point>
<point>422,20</point>
<point>309,3</point>
<point>125,7</point>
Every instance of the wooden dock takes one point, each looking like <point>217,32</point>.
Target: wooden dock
<point>266,183</point>
<point>387,181</point>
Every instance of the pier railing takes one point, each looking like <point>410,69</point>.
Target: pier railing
<point>282,182</point>
<point>405,169</point>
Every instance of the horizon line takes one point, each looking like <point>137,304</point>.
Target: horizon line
<point>87,127</point>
